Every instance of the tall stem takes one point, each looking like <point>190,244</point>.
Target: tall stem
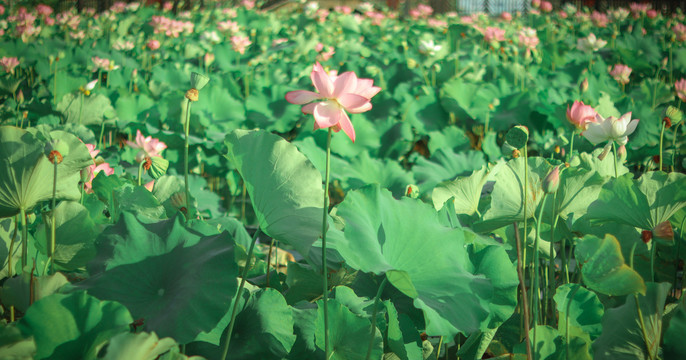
<point>571,147</point>
<point>239,294</point>
<point>324,266</point>
<point>536,296</point>
<point>187,129</point>
<point>24,240</point>
<point>53,225</point>
<point>614,155</point>
<point>551,258</point>
<point>80,107</point>
<point>526,197</point>
<point>662,134</point>
<point>374,312</point>
<point>522,287</point>
<point>140,173</point>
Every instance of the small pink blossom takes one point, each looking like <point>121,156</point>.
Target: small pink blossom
<point>43,10</point>
<point>324,55</point>
<point>248,4</point>
<point>2,10</point>
<point>638,9</point>
<point>562,14</point>
<point>652,14</point>
<point>118,7</point>
<point>149,147</point>
<point>343,9</point>
<point>9,63</point>
<point>94,169</point>
<point>436,23</point>
<point>599,19</point>
<point>230,12</point>
<point>103,64</point>
<point>167,6</point>
<point>153,44</point>
<point>528,39</point>
<point>228,26</point>
<point>535,3</point>
<point>335,95</point>
<point>580,115</point>
<point>546,6</point>
<point>240,43</point>
<point>620,73</point>
<point>680,88</point>
<point>680,31</point>
<point>505,16</point>
<point>49,21</point>
<point>494,34</point>
<point>279,41</point>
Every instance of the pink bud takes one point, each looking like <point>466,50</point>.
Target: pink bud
<point>552,181</point>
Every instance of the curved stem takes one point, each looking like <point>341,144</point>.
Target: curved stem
<point>187,129</point>
<point>11,249</point>
<point>325,273</point>
<point>522,287</point>
<point>269,260</point>
<point>614,155</point>
<point>239,294</point>
<point>53,225</point>
<point>140,172</point>
<point>571,147</point>
<point>24,239</point>
<point>374,312</point>
<point>536,296</point>
<point>662,134</point>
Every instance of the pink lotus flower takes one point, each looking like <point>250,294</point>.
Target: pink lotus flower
<point>2,10</point>
<point>324,55</point>
<point>153,44</point>
<point>149,147</point>
<point>610,129</point>
<point>9,63</point>
<point>43,10</point>
<point>652,14</point>
<point>580,115</point>
<point>336,95</point>
<point>680,31</point>
<point>680,88</point>
<point>230,12</point>
<point>562,14</point>
<point>535,3</point>
<point>505,16</point>
<point>528,39</point>
<point>94,169</point>
<point>437,24</point>
<point>49,21</point>
<point>546,6</point>
<point>494,34</point>
<point>240,43</point>
<point>590,43</point>
<point>118,7</point>
<point>167,6</point>
<point>103,64</point>
<point>228,26</point>
<point>343,9</point>
<point>620,73</point>
<point>249,4</point>
<point>599,19</point>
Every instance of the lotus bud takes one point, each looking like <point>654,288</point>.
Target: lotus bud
<point>209,58</point>
<point>584,86</point>
<point>412,191</point>
<point>91,85</point>
<point>552,182</point>
<point>673,116</point>
<point>198,81</point>
<point>56,150</point>
<point>663,231</point>
<point>158,167</point>
<point>20,97</point>
<point>621,151</point>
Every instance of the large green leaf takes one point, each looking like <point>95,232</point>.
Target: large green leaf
<point>348,333</point>
<point>642,203</point>
<point>580,308</point>
<point>86,110</point>
<point>285,188</point>
<point>140,346</point>
<point>15,346</point>
<point>403,337</point>
<point>550,345</point>
<point>20,290</point>
<point>578,189</point>
<point>622,337</point>
<point>674,345</point>
<point>507,198</point>
<point>8,232</point>
<point>73,326</point>
<point>178,280</point>
<point>75,235</point>
<point>422,258</point>
<point>465,192</point>
<point>445,164</point>
<point>26,174</point>
<point>263,329</point>
<point>603,267</point>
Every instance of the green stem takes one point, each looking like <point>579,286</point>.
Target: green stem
<point>522,286</point>
<point>11,250</point>
<point>239,294</point>
<point>662,134</point>
<point>186,128</point>
<point>140,173</point>
<point>536,295</point>
<point>81,107</point>
<point>324,266</point>
<point>571,147</point>
<point>569,304</point>
<point>643,328</point>
<point>24,239</point>
<point>102,131</point>
<point>54,91</point>
<point>678,250</point>
<point>525,200</point>
<point>614,155</point>
<point>374,312</point>
<point>653,249</point>
<point>676,151</point>
<point>551,258</point>
<point>53,225</point>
